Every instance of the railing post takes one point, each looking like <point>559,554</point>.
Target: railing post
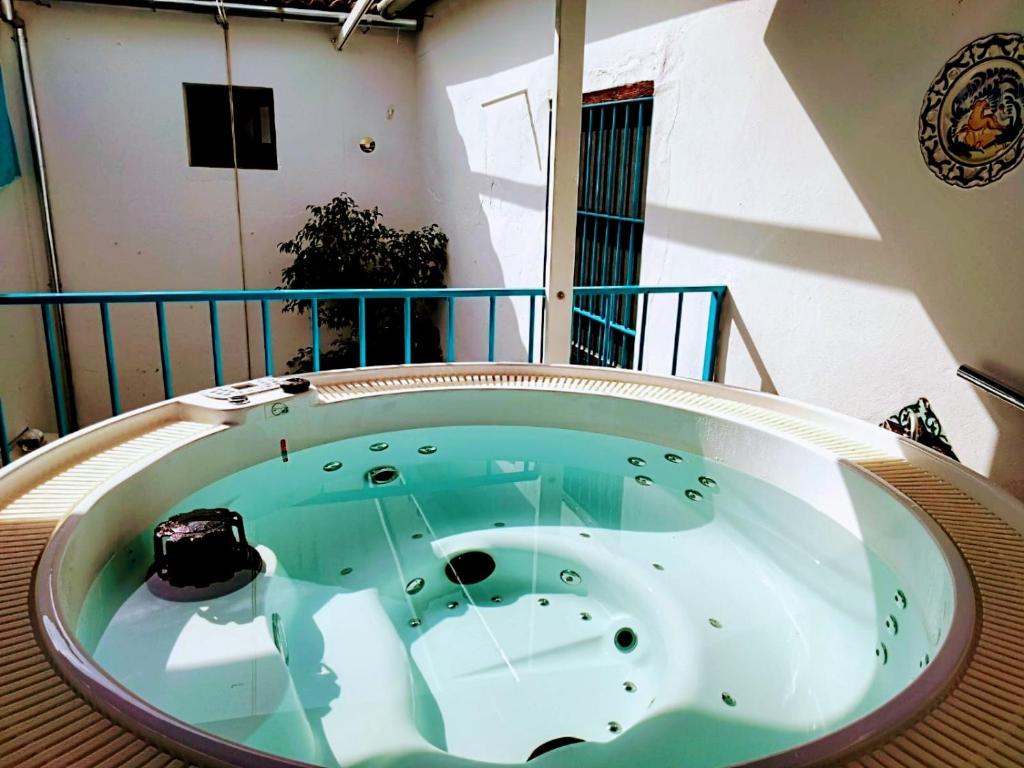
<point>491,322</point>
<point>5,451</point>
<point>679,327</point>
<point>165,352</point>
<point>711,341</point>
<point>450,346</point>
<point>362,332</point>
<point>643,332</point>
<point>314,331</point>
<point>570,24</point>
<point>533,327</point>
<point>606,334</point>
<point>407,329</point>
<point>218,363</point>
<point>268,340</point>
<point>108,349</point>
<point>56,375</point>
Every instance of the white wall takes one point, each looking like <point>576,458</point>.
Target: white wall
<point>24,379</point>
<point>484,84</point>
<point>324,102</point>
<point>785,164</point>
<point>132,215</point>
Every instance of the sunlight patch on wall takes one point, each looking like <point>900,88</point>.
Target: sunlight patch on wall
<point>729,136</point>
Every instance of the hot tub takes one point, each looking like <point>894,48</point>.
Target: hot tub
<point>466,565</point>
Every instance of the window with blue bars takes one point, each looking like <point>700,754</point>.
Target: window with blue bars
<point>610,221</point>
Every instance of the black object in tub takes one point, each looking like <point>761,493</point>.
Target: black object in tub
<point>201,554</point>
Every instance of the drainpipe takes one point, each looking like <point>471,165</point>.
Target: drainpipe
<point>358,11</point>
<point>9,16</point>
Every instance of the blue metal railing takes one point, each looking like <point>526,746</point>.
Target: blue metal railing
<point>159,299</point>
<point>716,294</point>
<point>48,301</point>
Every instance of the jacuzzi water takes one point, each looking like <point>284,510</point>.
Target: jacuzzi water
<point>654,604</point>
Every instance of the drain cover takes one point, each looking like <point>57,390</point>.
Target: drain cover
<point>625,639</point>
<point>548,746</point>
<point>382,475</point>
<point>469,568</point>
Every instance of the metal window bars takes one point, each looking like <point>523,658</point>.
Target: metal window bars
<point>610,228</point>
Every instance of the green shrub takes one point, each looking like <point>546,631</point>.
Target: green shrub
<point>345,246</point>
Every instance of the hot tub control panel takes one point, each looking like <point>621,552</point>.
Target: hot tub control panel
<point>244,388</point>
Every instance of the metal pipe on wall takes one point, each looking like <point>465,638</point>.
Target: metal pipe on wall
<point>9,16</point>
<point>358,11</point>
<point>990,385</point>
<point>267,11</point>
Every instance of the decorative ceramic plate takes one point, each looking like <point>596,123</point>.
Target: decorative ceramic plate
<point>972,121</point>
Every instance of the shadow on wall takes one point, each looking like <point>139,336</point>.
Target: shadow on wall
<point>955,250</point>
<point>732,322</point>
<point>859,71</point>
<point>912,265</point>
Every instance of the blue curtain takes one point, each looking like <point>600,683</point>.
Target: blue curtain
<point>9,169</point>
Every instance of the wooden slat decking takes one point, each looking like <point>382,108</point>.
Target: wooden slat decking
<point>978,722</point>
<point>43,722</point>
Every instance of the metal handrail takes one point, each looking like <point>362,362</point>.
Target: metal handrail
<point>279,11</point>
<point>50,304</point>
<point>633,290</point>
<point>990,385</point>
<point>145,297</point>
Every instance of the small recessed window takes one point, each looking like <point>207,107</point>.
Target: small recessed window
<point>208,111</point>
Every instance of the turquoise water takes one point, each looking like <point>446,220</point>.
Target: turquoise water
<point>754,622</point>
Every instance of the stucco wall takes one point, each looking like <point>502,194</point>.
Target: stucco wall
<point>132,215</point>
<point>785,164</point>
<point>483,84</point>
